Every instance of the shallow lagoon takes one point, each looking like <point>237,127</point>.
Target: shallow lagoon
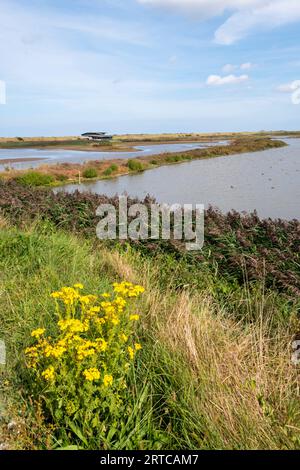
<point>267,181</point>
<point>37,157</point>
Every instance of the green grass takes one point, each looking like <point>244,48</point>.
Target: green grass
<point>110,170</point>
<point>33,265</point>
<point>90,173</point>
<point>34,178</point>
<point>135,165</point>
<point>204,379</point>
<point>20,143</point>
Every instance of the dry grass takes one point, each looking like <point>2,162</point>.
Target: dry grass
<point>242,377</point>
<point>3,222</point>
<point>237,379</point>
<point>116,265</point>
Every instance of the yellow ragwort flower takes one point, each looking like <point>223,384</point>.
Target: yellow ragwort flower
<point>79,286</point>
<point>86,349</point>
<point>68,295</point>
<point>91,374</point>
<point>49,374</point>
<point>54,351</point>
<point>124,337</point>
<point>32,351</point>
<point>106,295</point>
<point>101,344</point>
<point>127,289</point>
<point>131,352</point>
<point>37,333</point>
<point>87,299</point>
<point>107,380</point>
<point>134,317</point>
<point>73,325</point>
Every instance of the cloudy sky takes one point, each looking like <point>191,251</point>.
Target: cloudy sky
<point>148,65</point>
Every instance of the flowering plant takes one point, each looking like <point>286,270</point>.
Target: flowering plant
<point>81,369</point>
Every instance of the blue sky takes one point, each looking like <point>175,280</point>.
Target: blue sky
<point>148,65</point>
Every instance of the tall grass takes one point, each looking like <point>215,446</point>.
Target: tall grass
<point>225,383</point>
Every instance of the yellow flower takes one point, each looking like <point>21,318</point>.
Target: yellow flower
<point>87,299</point>
<point>101,344</point>
<point>120,302</point>
<point>56,295</point>
<point>37,333</point>
<point>33,355</point>
<point>86,349</point>
<point>107,380</point>
<point>55,351</point>
<point>127,289</point>
<point>137,346</point>
<point>115,321</point>
<point>124,337</point>
<point>49,373</point>
<point>134,317</point>
<point>67,294</point>
<point>99,321</point>
<point>73,325</point>
<point>32,351</point>
<point>105,295</point>
<point>131,352</point>
<point>91,374</point>
<point>92,311</point>
<point>78,286</point>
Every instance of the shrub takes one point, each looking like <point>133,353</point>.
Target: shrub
<point>111,169</point>
<point>80,368</point>
<point>107,172</point>
<point>90,173</point>
<point>175,158</point>
<point>34,178</point>
<point>135,165</point>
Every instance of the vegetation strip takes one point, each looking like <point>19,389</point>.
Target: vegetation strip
<point>100,169</point>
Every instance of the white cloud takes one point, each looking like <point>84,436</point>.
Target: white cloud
<point>217,80</point>
<point>229,68</point>
<point>246,66</point>
<point>289,87</point>
<point>245,15</point>
<point>203,8</point>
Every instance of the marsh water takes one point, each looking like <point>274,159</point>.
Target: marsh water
<point>32,158</point>
<point>267,181</point>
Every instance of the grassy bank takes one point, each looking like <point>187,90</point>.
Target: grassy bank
<point>203,378</point>
<point>64,144</point>
<point>215,328</point>
<point>20,142</point>
<point>101,169</point>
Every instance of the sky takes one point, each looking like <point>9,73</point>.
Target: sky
<point>135,66</point>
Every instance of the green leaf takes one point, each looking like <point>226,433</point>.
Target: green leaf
<point>76,430</point>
